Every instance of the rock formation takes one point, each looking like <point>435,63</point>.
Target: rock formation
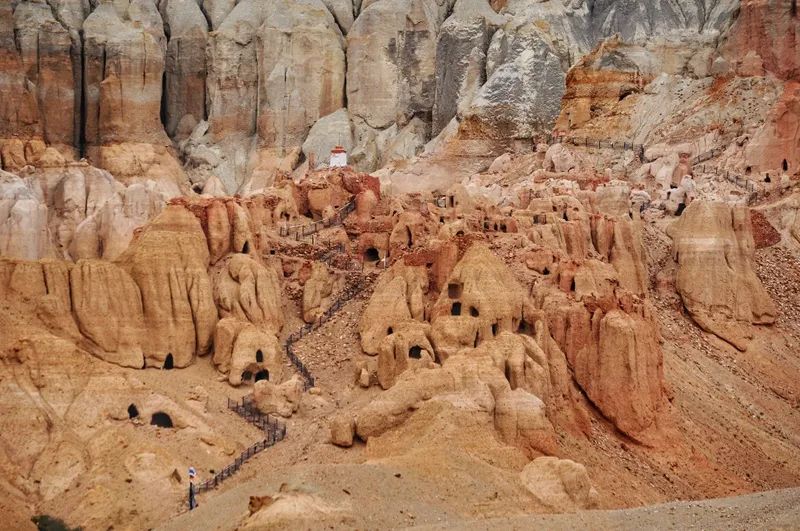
<point>713,246</point>
<point>177,300</point>
<point>560,484</point>
<point>494,304</point>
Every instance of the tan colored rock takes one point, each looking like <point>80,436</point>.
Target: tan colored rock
<point>408,232</point>
<point>713,246</point>
<point>293,508</point>
<point>24,230</point>
<point>248,291</point>
<point>392,407</point>
<point>521,419</point>
<point>343,429</point>
<point>246,352</point>
<point>407,346</point>
<point>560,485</point>
<point>169,261</point>
<point>108,311</point>
<point>279,399</point>
<point>224,337</point>
<point>36,77</point>
<point>124,67</point>
<point>317,292</point>
<point>398,297</point>
<point>482,299</point>
<point>610,340</point>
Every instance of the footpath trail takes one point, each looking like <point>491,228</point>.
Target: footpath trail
<point>274,429</point>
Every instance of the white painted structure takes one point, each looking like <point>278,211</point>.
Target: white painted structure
<point>338,157</point>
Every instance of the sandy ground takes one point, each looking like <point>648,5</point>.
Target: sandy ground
<point>779,509</point>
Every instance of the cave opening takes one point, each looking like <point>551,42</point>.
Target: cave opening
<point>169,363</point>
<point>415,352</point>
<point>389,331</point>
<point>161,419</point>
<point>455,309</point>
<point>409,238</point>
<point>572,285</point>
<point>785,165</point>
<point>263,374</point>
<point>259,356</point>
<point>246,247</point>
<point>371,255</point>
<point>494,329</point>
<point>460,233</point>
<point>473,311</point>
<point>164,101</point>
<point>454,290</point>
<point>246,376</point>
<point>133,411</point>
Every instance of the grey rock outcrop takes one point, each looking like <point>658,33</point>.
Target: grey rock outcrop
<point>124,66</point>
<point>263,72</point>
<point>525,83</point>
<point>301,71</point>
<point>332,130</point>
<point>461,57</point>
<point>185,66</point>
<point>393,42</point>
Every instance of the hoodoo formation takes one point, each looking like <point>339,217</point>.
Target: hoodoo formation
<point>459,264</point>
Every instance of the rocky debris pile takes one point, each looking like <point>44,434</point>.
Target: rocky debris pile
<point>777,268</point>
<point>764,234</point>
<point>713,247</point>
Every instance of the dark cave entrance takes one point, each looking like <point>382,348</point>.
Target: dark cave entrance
<point>371,255</point>
<point>263,374</point>
<point>133,411</point>
<point>169,363</point>
<point>161,419</point>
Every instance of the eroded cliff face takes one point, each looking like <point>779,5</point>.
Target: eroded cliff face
<point>160,89</point>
